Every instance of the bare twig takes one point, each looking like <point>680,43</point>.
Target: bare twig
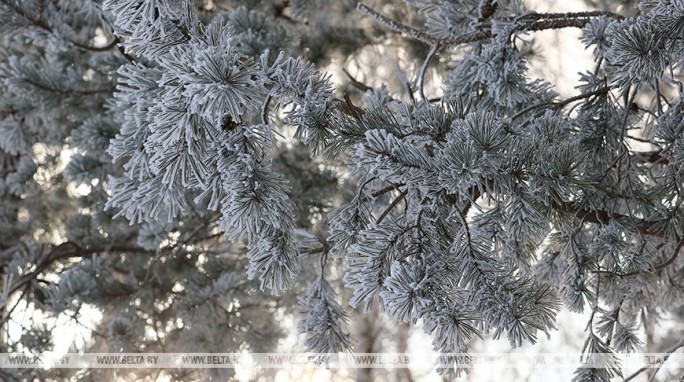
<point>391,206</point>
<point>561,104</point>
<point>423,69</point>
<point>264,110</point>
<point>356,83</point>
<point>668,352</point>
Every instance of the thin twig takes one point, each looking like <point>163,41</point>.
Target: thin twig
<point>19,300</point>
<point>421,74</point>
<point>668,352</point>
<point>391,206</point>
<point>599,91</point>
<point>356,83</point>
<point>264,110</point>
<point>40,23</point>
<point>387,189</point>
<point>561,104</point>
<point>570,15</point>
<point>404,81</point>
<point>71,91</point>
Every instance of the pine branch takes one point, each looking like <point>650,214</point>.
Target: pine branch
<point>605,217</point>
<point>530,22</point>
<point>569,15</point>
<point>397,26</point>
<point>658,267</point>
<point>69,249</point>
<point>601,217</point>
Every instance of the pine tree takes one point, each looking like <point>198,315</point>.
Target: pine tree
<point>190,171</point>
